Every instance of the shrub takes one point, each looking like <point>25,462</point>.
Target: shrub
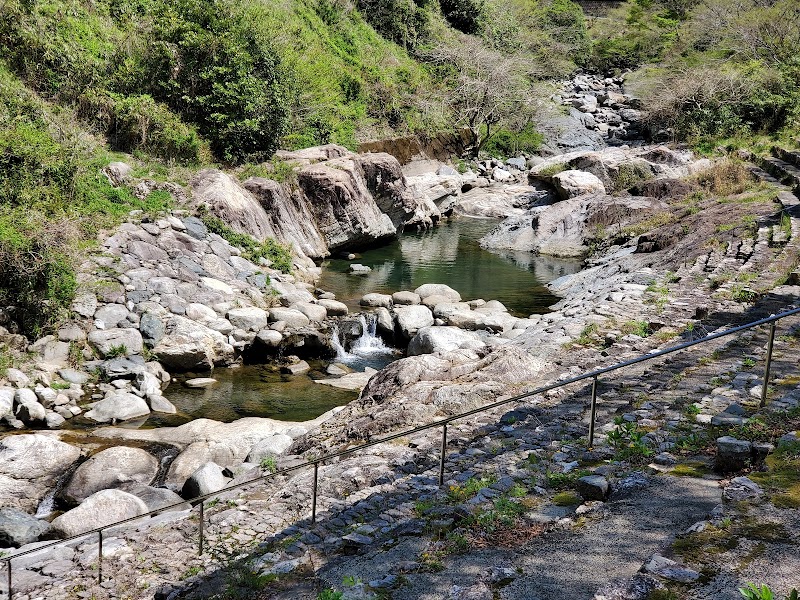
<point>279,255</point>
<point>139,123</point>
<point>405,22</point>
<point>505,142</point>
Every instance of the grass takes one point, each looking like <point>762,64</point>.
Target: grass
<point>277,255</point>
<point>468,489</point>
<point>654,222</point>
<point>566,499</point>
<point>640,328</point>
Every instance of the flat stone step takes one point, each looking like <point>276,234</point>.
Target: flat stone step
<point>789,156</point>
<point>784,171</point>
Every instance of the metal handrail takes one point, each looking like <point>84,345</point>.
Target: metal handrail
<point>443,423</point>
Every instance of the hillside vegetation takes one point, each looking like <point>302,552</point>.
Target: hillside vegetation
<point>176,85</point>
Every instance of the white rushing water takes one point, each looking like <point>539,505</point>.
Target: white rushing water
<point>368,344</point>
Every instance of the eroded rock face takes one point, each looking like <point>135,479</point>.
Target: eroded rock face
<point>562,229</point>
<point>343,200</point>
<point>29,466</point>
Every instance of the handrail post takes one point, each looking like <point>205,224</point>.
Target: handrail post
<point>314,493</point>
<point>763,402</point>
<point>444,452</point>
<point>10,593</point>
<point>593,412</point>
<point>99,557</point>
<point>200,530</point>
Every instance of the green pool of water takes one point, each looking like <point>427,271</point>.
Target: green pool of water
<point>451,254</point>
<point>253,391</point>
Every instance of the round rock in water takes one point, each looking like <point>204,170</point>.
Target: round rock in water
<point>200,382</point>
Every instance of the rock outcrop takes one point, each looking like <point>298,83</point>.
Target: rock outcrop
<point>341,200</point>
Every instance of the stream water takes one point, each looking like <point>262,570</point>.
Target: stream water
<point>451,254</point>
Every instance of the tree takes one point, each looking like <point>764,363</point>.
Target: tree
<point>490,90</point>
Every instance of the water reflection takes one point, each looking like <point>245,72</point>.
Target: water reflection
<point>451,254</point>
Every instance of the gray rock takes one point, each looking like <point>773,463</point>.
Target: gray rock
<point>316,313</point>
<point>159,403</point>
<point>572,183</point>
<point>374,300</point>
<point>29,465</point>
<point>732,454</point>
<point>190,345</point>
<point>272,446</point>
<point>297,368</point>
<point>195,228</point>
<point>406,297</point>
<point>669,569</point>
<point>71,333</point>
<point>293,318</point>
<point>742,489</point>
<point>430,340</point>
<point>156,498</point>
<point>151,328</point>
<point>111,315</point>
<point>437,289</point>
<point>18,528</point>
<point>638,587</point>
<point>205,480</point>
<point>53,420</point>
<point>109,469</point>
<point>30,412</point>
<point>102,508</point>
<point>17,377</point>
<point>122,368</point>
<point>593,487</point>
<point>73,376</point>
<point>410,319</point>
<point>270,338</point>
<point>109,341</point>
<point>248,319</point>
<point>85,304</point>
<point>760,452</point>
<point>6,401</point>
<point>25,396</point>
<point>334,307</point>
<point>119,406</point>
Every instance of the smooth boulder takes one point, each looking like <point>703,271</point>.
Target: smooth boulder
<point>412,318</point>
<point>119,406</point>
<point>98,510</point>
<point>205,480</point>
<point>108,469</point>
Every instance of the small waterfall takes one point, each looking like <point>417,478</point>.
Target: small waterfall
<point>342,355</point>
<point>369,342</point>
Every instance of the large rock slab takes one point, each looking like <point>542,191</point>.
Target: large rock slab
<point>109,469</point>
<point>119,406</point>
<point>29,466</point>
<point>344,210</point>
<point>438,289</point>
<point>99,509</point>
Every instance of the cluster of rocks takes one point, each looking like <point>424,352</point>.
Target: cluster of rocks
<point>600,104</point>
<point>47,401</point>
<point>434,319</point>
<point>579,187</point>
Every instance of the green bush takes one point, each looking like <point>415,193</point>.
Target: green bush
<point>140,124</point>
<point>508,143</point>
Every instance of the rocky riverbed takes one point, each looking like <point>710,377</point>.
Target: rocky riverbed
<point>165,295</point>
